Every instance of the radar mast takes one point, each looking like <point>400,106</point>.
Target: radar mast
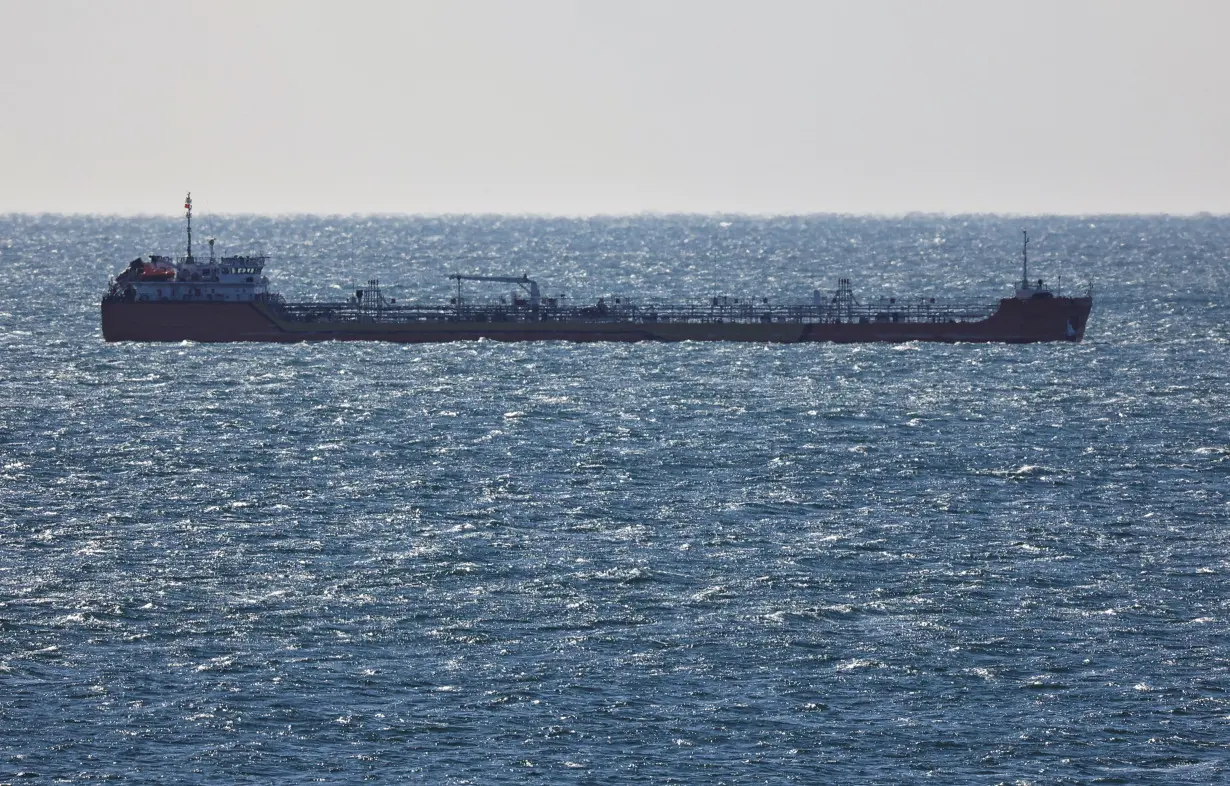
<point>188,207</point>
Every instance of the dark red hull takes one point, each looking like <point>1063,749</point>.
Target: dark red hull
<point>1014,321</point>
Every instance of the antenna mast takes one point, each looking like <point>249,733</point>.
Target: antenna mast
<point>188,207</point>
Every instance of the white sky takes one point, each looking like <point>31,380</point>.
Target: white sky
<point>615,106</point>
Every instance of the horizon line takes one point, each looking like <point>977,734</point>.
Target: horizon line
<point>640,214</point>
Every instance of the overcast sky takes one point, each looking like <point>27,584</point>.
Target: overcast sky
<point>550,106</point>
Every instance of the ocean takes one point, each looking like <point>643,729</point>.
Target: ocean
<point>629,563</point>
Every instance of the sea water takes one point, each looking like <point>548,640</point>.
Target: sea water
<point>642,563</point>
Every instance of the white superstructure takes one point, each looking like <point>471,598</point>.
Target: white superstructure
<point>233,279</point>
<point>225,279</point>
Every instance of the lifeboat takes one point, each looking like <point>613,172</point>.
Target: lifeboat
<point>152,273</point>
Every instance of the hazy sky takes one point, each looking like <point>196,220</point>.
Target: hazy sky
<point>550,106</point>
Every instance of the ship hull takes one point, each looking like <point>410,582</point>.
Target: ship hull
<point>1014,321</point>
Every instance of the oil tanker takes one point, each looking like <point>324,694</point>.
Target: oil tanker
<point>228,299</point>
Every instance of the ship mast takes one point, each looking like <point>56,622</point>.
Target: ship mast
<point>188,207</point>
<point>1025,261</point>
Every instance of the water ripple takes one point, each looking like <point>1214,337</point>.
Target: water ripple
<point>483,562</point>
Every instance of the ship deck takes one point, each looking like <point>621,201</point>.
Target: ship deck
<point>719,312</point>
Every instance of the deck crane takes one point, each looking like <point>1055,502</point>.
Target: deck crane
<point>525,282</point>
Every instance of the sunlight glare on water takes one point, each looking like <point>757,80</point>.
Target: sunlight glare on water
<point>639,563</point>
